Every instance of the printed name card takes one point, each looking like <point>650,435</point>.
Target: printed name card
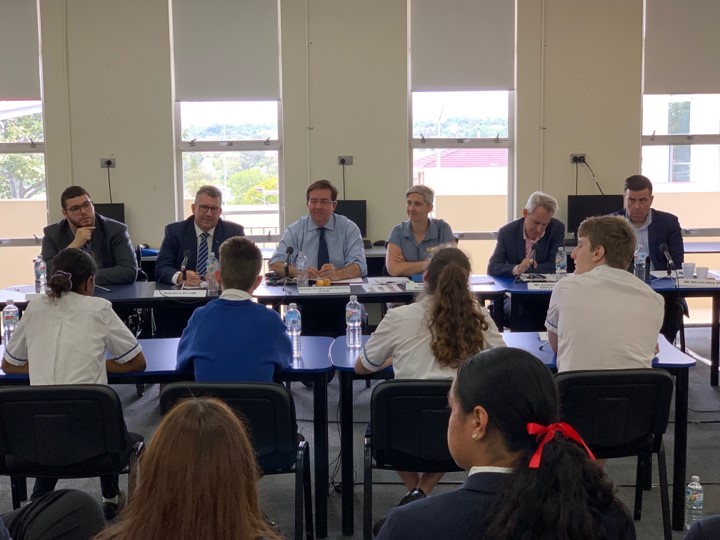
<point>333,289</point>
<point>539,286</point>
<point>182,293</point>
<point>414,287</point>
<point>699,283</point>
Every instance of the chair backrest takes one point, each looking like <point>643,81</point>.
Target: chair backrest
<point>267,409</point>
<point>49,427</point>
<point>409,420</point>
<point>616,411</point>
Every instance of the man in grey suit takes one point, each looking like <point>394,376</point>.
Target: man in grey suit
<point>106,240</point>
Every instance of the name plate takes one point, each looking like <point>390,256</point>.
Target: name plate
<point>539,286</point>
<point>183,293</point>
<point>699,283</point>
<point>29,296</point>
<point>414,287</point>
<point>316,291</point>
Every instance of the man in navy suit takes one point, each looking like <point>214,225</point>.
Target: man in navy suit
<point>529,244</point>
<point>652,229</point>
<point>203,227</point>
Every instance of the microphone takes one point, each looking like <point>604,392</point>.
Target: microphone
<point>671,263</point>
<point>286,266</point>
<point>183,264</point>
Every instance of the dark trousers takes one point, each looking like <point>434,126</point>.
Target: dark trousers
<point>675,308</point>
<point>65,514</point>
<point>527,314</point>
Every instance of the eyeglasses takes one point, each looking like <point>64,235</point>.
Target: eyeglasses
<point>87,205</point>
<point>320,202</point>
<point>204,209</point>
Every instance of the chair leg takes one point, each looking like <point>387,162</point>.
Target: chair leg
<point>367,491</point>
<point>664,497</point>
<point>299,495</point>
<point>639,476</point>
<point>18,488</point>
<point>307,488</point>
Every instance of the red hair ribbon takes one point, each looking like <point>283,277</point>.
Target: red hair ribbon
<point>547,433</point>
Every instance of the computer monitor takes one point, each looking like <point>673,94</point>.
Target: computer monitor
<point>580,207</point>
<point>355,211</point>
<point>114,211</point>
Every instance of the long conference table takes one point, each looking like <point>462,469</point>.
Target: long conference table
<point>312,366</point>
<point>669,358</point>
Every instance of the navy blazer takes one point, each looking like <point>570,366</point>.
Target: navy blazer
<point>462,514</point>
<point>663,229</point>
<point>180,237</point>
<point>510,248</point>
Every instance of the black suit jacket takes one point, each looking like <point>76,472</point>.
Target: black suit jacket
<point>510,248</point>
<point>110,246</point>
<point>181,236</point>
<point>462,514</point>
<point>664,228</point>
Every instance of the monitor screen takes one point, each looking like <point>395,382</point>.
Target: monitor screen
<point>580,207</point>
<point>114,211</point>
<point>355,211</point>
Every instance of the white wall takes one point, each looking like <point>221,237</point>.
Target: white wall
<point>108,93</point>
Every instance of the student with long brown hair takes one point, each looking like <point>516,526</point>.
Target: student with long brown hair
<point>197,480</point>
<point>431,338</point>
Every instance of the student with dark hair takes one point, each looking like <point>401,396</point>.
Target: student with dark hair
<point>104,239</point>
<point>530,475</point>
<point>431,338</point>
<point>62,338</point>
<point>198,479</point>
<point>234,338</point>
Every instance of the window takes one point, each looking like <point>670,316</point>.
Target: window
<point>234,146</point>
<point>461,148</point>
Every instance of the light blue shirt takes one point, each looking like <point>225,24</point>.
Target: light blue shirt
<point>402,236</point>
<point>641,232</point>
<point>342,236</point>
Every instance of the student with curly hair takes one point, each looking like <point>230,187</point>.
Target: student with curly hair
<point>431,338</point>
<point>198,479</point>
<point>530,476</point>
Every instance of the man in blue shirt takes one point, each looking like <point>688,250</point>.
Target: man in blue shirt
<point>344,254</point>
<point>233,338</point>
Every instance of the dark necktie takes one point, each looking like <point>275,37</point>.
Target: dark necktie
<point>202,255</point>
<point>323,256</point>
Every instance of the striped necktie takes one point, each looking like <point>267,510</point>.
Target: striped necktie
<point>201,267</point>
<point>323,255</point>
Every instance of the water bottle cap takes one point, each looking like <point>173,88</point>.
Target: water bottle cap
<point>695,479</point>
<point>353,298</point>
<point>9,302</point>
<point>292,306</point>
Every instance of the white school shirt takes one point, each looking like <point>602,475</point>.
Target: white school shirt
<point>404,334</point>
<point>64,340</point>
<point>604,319</point>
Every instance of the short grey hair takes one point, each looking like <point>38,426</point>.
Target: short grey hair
<point>427,193</point>
<point>210,191</point>
<point>544,200</point>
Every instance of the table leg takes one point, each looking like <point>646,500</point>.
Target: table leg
<point>346,452</point>
<point>320,431</point>
<point>714,342</point>
<point>680,450</point>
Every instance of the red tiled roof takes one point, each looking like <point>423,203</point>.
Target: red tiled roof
<point>464,157</point>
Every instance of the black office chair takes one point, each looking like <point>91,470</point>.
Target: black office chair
<point>622,413</point>
<point>64,431</point>
<point>409,420</point>
<point>268,410</point>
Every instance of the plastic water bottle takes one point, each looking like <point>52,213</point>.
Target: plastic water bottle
<point>11,316</point>
<point>301,270</point>
<point>639,262</point>
<point>40,275</point>
<point>353,320</point>
<point>693,501</point>
<point>212,266</point>
<point>293,323</point>
<point>561,262</point>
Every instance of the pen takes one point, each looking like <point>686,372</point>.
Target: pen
<point>103,288</point>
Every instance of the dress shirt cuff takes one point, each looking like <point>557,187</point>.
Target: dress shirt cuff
<point>176,278</point>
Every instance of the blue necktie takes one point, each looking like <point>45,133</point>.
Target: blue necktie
<point>323,256</point>
<point>201,267</point>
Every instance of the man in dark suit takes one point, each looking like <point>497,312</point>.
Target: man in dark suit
<point>529,244</point>
<point>106,240</point>
<point>652,229</point>
<point>200,234</point>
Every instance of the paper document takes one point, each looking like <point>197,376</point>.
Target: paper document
<point>355,280</point>
<point>481,280</point>
<point>379,288</point>
<point>386,279</point>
